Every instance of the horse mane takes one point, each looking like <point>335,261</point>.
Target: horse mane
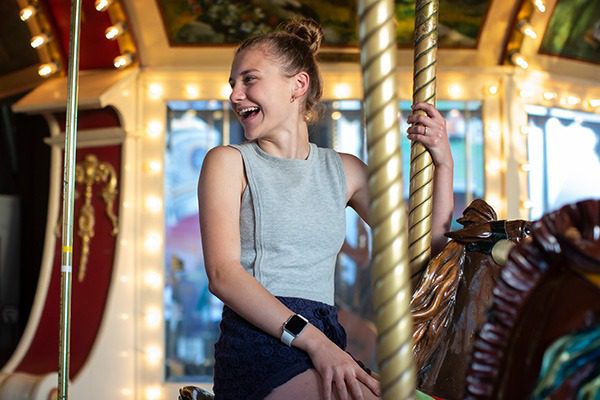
<point>432,302</point>
<point>564,243</point>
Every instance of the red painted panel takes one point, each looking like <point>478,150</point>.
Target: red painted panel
<point>89,296</point>
<point>92,119</point>
<point>96,52</point>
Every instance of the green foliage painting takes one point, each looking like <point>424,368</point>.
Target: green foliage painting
<point>574,30</point>
<point>209,22</point>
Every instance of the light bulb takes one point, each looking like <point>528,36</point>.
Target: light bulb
<point>45,70</point>
<point>27,12</point>
<point>39,40</point>
<point>102,5</point>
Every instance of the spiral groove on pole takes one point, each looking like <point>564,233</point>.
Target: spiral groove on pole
<point>387,214</point>
<point>421,164</point>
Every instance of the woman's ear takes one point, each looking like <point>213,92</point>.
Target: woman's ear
<point>301,84</point>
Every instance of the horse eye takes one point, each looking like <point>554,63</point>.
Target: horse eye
<point>527,230</point>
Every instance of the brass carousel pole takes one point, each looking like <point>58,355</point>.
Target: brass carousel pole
<point>68,205</point>
<point>387,214</point>
<point>421,165</point>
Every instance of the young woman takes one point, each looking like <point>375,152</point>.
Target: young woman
<point>272,222</point>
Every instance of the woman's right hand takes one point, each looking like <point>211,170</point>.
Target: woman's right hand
<point>342,377</point>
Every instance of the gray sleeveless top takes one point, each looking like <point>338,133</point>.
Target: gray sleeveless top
<point>292,221</point>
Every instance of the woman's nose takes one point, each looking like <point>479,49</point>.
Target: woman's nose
<point>237,94</point>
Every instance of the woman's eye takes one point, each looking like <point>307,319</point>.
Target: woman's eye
<point>249,79</point>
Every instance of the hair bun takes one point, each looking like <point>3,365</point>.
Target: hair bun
<point>306,29</point>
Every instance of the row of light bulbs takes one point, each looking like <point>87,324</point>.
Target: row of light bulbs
<point>523,26</point>
<point>29,14</point>
<point>114,32</point>
<point>39,40</point>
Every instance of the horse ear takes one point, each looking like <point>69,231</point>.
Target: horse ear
<point>472,233</point>
<point>477,212</point>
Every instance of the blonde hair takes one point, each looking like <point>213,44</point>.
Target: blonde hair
<point>294,45</point>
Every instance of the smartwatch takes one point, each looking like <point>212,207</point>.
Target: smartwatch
<point>292,328</point>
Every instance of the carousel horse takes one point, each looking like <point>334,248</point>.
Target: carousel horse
<point>541,337</point>
<point>194,393</point>
<point>450,301</point>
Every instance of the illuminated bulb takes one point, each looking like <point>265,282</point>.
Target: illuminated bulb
<point>549,96</point>
<point>153,204</point>
<point>526,29</point>
<point>518,60</point>
<point>155,91</point>
<point>336,115</point>
<point>152,317</point>
<point>455,90</point>
<point>102,5</point>
<point>153,393</point>
<point>594,103</point>
<point>341,91</point>
<point>493,166</point>
<point>152,242</point>
<point>492,89</point>
<point>154,129</point>
<point>192,91</point>
<point>114,31</point>
<point>153,355</point>
<point>39,40</point>
<point>540,5</point>
<point>45,70</point>
<point>154,166</point>
<point>153,280</point>
<point>27,12</point>
<point>571,100</point>
<point>122,61</point>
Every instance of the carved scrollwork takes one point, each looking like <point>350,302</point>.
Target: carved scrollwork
<point>88,173</point>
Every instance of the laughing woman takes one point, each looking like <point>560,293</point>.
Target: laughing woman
<point>273,220</point>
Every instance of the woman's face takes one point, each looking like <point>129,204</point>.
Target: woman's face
<point>261,94</point>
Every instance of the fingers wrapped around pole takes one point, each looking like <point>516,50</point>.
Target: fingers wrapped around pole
<point>390,271</point>
<point>421,164</point>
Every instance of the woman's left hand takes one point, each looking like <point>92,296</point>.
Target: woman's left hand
<point>429,128</point>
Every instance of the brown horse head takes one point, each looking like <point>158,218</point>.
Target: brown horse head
<point>450,300</point>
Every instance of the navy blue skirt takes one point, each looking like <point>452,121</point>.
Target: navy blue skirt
<point>249,363</point>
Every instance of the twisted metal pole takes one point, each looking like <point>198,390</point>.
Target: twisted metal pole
<point>387,214</point>
<point>68,203</point>
<point>421,164</point>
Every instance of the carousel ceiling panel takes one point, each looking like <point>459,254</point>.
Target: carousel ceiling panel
<point>206,22</point>
<point>573,31</point>
<point>203,33</point>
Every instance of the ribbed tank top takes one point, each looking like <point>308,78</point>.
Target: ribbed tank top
<point>292,221</point>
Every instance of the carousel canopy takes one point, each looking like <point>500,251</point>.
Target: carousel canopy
<point>556,36</point>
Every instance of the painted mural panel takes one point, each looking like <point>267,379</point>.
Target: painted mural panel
<point>574,31</point>
<point>218,22</point>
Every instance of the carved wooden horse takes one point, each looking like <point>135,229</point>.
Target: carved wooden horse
<point>548,294</point>
<point>450,301</point>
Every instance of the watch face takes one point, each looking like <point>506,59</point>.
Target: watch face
<point>295,325</point>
